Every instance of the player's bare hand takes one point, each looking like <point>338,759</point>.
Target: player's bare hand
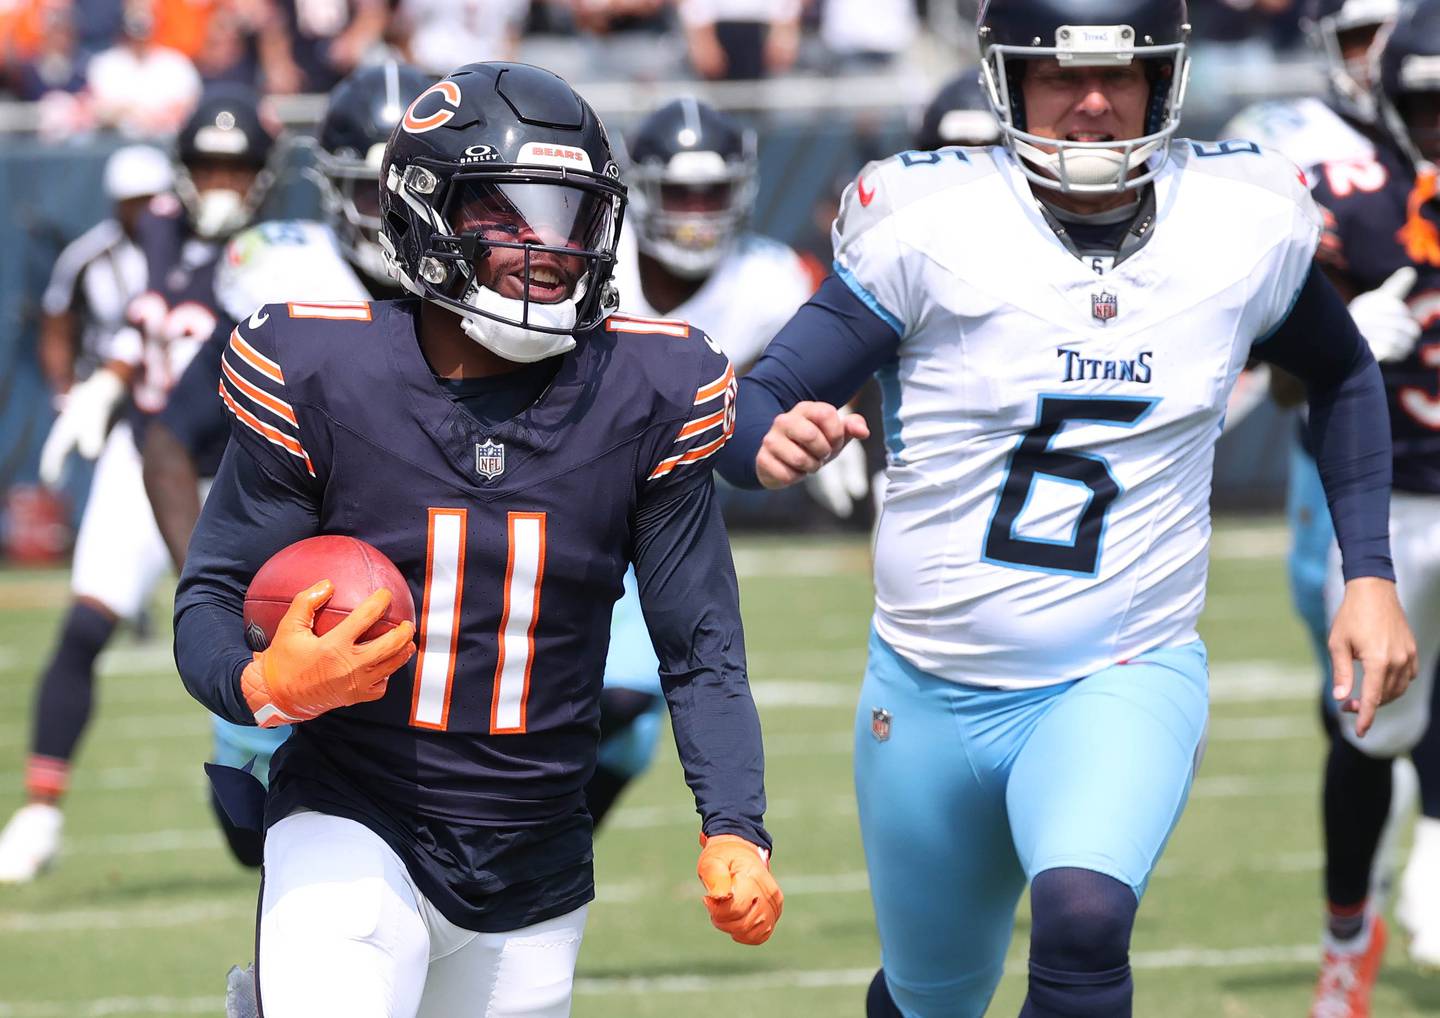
<point>804,439</point>
<point>1370,628</point>
<point>301,676</point>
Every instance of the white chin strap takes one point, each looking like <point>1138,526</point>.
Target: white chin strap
<point>1086,167</point>
<point>511,341</point>
<point>219,212</point>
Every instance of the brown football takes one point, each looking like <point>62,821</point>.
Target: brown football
<point>355,568</point>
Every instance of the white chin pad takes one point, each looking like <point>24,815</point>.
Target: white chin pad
<point>511,340</point>
<point>218,212</point>
<point>1088,167</point>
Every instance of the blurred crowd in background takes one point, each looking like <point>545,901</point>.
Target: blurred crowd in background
<point>829,84</point>
<point>137,65</point>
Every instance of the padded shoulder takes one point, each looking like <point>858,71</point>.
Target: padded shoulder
<point>691,395</point>
<point>888,185</point>
<point>1247,163</point>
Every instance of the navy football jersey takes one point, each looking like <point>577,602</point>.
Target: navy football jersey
<point>172,319</point>
<point>515,539</point>
<point>1379,217</point>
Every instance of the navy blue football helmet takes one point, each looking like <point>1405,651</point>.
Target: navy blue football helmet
<point>361,112</point>
<point>1410,75</point>
<point>1086,33</point>
<point>691,171</point>
<point>225,127</point>
<point>959,114</point>
<point>494,162</point>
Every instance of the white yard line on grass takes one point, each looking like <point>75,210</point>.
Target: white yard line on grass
<point>598,986</point>
<point>123,918</point>
<point>106,1006</point>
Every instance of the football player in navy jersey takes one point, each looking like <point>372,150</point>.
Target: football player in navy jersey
<point>222,153</point>
<point>512,445</point>
<point>1382,243</point>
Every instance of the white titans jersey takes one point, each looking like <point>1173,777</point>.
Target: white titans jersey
<point>1307,131</point>
<point>1051,431</point>
<point>754,290</point>
<point>285,259</point>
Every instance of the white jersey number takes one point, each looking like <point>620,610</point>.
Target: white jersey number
<point>440,621</point>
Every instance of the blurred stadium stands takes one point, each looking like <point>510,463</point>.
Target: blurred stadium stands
<point>818,122</point>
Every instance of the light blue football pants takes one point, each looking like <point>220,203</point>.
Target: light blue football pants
<point>974,791</point>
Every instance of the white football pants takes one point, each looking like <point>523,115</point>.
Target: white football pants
<point>119,553</point>
<point>1415,548</point>
<point>344,932</point>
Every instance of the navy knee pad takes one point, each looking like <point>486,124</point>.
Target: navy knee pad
<point>1079,945</point>
<point>878,1002</point>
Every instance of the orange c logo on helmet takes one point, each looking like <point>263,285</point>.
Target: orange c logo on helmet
<point>449,92</point>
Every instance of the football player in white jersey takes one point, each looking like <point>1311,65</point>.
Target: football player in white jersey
<point>1345,131</point>
<point>1057,323</point>
<point>1382,242</point>
<point>222,154</point>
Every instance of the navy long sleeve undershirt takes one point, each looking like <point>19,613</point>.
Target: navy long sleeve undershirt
<point>687,588</point>
<point>836,341</point>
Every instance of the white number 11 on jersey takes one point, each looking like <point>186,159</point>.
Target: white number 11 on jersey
<point>440,620</point>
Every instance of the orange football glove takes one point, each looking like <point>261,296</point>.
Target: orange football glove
<point>740,894</point>
<point>301,675</point>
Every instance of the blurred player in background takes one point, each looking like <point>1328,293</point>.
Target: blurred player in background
<point>510,444</point>
<point>278,260</point>
<point>222,153</point>
<point>689,256</point>
<point>1342,127</point>
<point>958,115</point>
<point>99,272</point>
<point>1057,324</point>
<point>1382,246</point>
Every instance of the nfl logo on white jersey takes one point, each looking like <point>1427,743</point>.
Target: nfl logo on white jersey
<point>489,459</point>
<point>1104,305</point>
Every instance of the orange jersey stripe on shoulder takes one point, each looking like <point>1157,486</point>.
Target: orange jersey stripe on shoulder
<point>712,389</point>
<point>278,407</point>
<point>255,358</point>
<point>272,435</point>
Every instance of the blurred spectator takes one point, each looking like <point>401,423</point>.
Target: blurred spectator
<point>440,35</point>
<point>309,45</point>
<point>99,272</point>
<point>229,52</point>
<point>621,40</point>
<point>139,87</point>
<point>867,34</point>
<point>56,65</point>
<point>739,40</point>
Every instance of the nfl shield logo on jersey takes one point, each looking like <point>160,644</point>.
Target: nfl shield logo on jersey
<point>1104,305</point>
<point>489,459</point>
<point>880,724</point>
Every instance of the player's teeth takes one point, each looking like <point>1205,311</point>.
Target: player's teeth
<point>545,277</point>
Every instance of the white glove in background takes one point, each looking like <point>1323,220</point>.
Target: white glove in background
<point>82,424</point>
<point>1385,320</point>
<point>842,482</point>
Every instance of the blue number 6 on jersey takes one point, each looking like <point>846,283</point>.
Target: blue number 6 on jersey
<point>1079,556</point>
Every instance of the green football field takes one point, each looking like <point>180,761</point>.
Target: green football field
<point>145,911</point>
